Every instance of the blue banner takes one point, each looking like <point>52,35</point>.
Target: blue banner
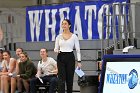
<point>43,23</point>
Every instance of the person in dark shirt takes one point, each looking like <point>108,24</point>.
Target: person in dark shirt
<point>27,70</point>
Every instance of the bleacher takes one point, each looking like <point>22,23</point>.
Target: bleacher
<point>134,51</point>
<point>89,53</point>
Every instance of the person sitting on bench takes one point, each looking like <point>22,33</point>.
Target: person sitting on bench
<point>26,71</point>
<point>46,72</point>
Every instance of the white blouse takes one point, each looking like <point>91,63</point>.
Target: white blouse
<point>8,65</point>
<point>47,67</point>
<point>68,45</point>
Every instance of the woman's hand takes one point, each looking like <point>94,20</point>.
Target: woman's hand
<point>56,51</point>
<point>79,65</point>
<point>37,75</point>
<point>18,75</point>
<point>10,74</point>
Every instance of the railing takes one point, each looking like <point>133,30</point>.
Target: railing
<point>119,24</point>
<point>7,37</point>
<point>12,23</point>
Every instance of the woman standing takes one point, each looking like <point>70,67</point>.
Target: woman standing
<point>64,46</point>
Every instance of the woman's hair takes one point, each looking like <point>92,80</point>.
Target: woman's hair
<point>25,53</point>
<point>45,50</point>
<point>20,48</point>
<point>8,52</point>
<point>1,51</point>
<point>68,22</point>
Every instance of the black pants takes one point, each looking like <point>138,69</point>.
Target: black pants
<point>66,67</point>
<point>51,79</point>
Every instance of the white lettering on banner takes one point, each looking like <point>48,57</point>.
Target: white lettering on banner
<point>115,18</point>
<point>35,23</point>
<point>119,12</point>
<point>122,20</point>
<point>65,10</point>
<point>89,9</point>
<point>52,25</point>
<point>77,24</point>
<point>100,23</point>
<point>109,19</point>
<point>91,13</point>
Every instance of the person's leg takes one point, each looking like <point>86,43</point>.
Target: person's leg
<point>26,85</point>
<point>19,84</point>
<point>70,67</point>
<point>6,83</point>
<point>33,83</point>
<point>13,85</point>
<point>61,73</point>
<point>53,83</point>
<point>2,84</point>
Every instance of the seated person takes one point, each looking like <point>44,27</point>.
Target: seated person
<point>47,72</point>
<point>8,67</point>
<point>1,59</point>
<point>100,68</point>
<point>27,70</point>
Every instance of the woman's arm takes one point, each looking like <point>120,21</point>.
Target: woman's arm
<point>77,47</point>
<point>12,65</point>
<point>55,70</point>
<point>29,71</point>
<point>17,67</point>
<point>56,48</point>
<point>4,70</point>
<point>39,71</point>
